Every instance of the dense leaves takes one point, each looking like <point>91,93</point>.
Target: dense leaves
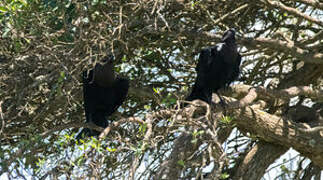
<point>46,44</point>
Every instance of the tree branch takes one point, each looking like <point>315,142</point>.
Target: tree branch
<point>293,11</point>
<point>288,93</point>
<point>281,131</point>
<point>314,3</point>
<point>257,160</point>
<point>303,55</point>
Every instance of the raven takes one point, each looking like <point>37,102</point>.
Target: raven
<point>103,93</point>
<point>217,67</point>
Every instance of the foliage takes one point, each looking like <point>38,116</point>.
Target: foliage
<point>45,44</point>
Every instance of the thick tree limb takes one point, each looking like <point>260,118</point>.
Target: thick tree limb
<point>281,131</point>
<point>288,93</point>
<point>268,127</point>
<point>258,159</point>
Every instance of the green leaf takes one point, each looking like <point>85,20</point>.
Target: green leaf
<point>194,133</point>
<point>40,162</point>
<point>172,101</point>
<point>147,107</point>
<point>284,168</point>
<point>111,149</point>
<point>137,151</point>
<point>181,163</point>
<point>143,128</point>
<point>194,141</point>
<point>156,90</point>
<point>23,2</point>
<point>6,32</point>
<point>224,176</point>
<point>3,9</point>
<point>61,76</point>
<point>226,119</point>
<point>80,160</point>
<point>124,58</point>
<point>27,40</point>
<point>200,132</point>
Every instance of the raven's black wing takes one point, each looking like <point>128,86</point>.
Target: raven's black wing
<point>89,95</point>
<point>203,67</point>
<point>101,102</point>
<point>203,61</point>
<point>115,95</point>
<point>201,88</point>
<point>235,70</point>
<point>90,103</point>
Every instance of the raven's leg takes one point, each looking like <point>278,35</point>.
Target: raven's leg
<point>222,103</point>
<point>86,131</point>
<point>208,97</point>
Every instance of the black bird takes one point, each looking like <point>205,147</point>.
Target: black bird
<point>103,93</point>
<point>217,67</point>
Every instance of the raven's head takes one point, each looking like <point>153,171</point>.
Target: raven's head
<point>229,36</point>
<point>104,74</point>
<point>108,59</point>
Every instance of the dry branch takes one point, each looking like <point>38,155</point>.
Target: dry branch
<point>295,12</point>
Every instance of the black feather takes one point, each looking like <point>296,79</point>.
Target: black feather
<point>218,66</point>
<point>103,95</point>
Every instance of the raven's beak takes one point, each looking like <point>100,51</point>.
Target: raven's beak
<point>229,34</point>
<point>107,60</point>
<point>225,36</point>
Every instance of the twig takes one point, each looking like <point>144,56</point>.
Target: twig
<point>230,13</point>
<point>293,11</point>
<point>2,118</point>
